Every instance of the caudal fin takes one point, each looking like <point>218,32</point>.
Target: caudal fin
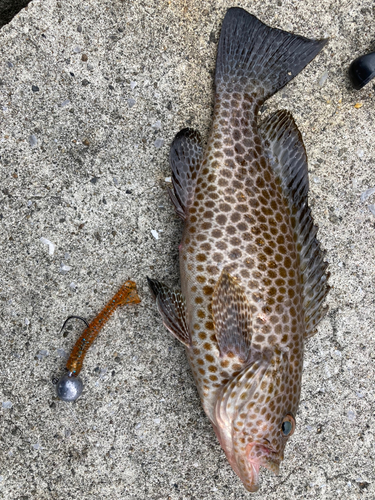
<point>255,58</point>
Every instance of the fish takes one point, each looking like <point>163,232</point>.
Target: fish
<point>253,276</point>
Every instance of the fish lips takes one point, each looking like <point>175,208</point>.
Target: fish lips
<point>259,455</point>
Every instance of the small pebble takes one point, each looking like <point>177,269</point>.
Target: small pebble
<point>7,404</point>
<point>72,285</point>
<point>33,141</point>
<point>133,85</point>
<point>155,234</point>
<point>323,79</point>
<point>156,125</point>
<point>159,143</point>
<point>360,153</point>
<point>51,246</point>
<point>372,209</point>
<point>64,268</point>
<point>366,194</point>
<point>27,321</point>
<point>77,50</point>
<point>351,415</point>
<point>84,58</point>
<point>65,103</point>
<point>36,446</point>
<point>157,420</point>
<point>168,179</point>
<point>131,102</point>
<point>35,88</point>
<point>62,353</point>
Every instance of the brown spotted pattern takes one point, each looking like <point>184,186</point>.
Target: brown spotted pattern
<point>239,221</point>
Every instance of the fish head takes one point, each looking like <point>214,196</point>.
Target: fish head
<point>253,452</point>
<point>259,420</point>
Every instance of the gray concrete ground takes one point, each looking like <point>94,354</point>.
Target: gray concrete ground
<point>92,94</point>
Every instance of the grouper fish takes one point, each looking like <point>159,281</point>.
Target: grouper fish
<point>253,276</point>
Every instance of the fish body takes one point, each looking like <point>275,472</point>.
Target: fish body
<point>252,273</point>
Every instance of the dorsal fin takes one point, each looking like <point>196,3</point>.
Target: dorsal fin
<point>185,159</point>
<point>284,147</point>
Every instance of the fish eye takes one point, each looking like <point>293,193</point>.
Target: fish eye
<point>288,425</point>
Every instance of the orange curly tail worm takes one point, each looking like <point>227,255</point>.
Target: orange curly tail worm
<point>126,295</point>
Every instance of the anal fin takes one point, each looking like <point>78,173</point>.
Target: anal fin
<point>232,318</point>
<point>185,159</point>
<point>172,309</point>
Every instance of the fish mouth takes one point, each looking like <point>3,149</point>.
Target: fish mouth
<point>258,456</point>
<point>253,484</point>
<point>272,464</point>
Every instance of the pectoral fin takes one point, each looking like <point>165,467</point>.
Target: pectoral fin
<point>185,158</point>
<point>232,318</point>
<point>172,308</point>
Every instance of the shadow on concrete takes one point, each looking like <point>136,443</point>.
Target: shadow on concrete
<point>9,8</point>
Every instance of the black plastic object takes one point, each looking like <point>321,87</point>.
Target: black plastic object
<point>362,70</point>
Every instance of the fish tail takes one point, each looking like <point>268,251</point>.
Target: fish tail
<point>257,59</point>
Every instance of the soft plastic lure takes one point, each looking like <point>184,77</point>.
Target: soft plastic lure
<point>70,386</point>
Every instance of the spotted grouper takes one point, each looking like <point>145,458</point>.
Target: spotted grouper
<point>253,276</point>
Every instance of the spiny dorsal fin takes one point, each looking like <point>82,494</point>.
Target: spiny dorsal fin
<point>172,309</point>
<point>287,155</point>
<point>232,317</point>
<point>185,159</point>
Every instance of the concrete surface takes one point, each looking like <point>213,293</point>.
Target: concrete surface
<point>92,94</point>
